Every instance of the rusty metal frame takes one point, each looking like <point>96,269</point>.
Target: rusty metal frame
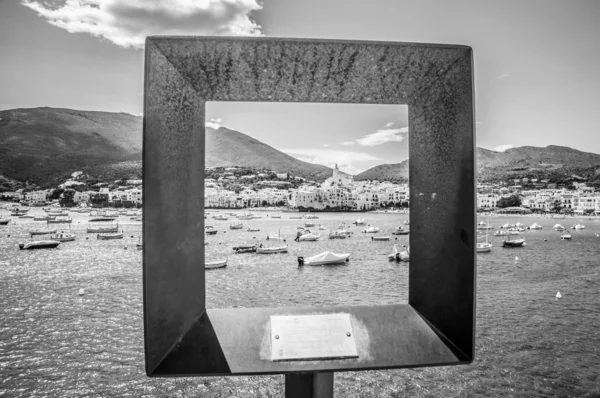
<point>436,327</point>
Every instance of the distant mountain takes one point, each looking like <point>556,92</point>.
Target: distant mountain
<point>45,145</point>
<point>526,161</point>
<point>226,147</point>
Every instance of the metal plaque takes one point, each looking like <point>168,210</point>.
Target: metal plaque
<point>305,337</point>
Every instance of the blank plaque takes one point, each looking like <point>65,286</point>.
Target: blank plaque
<point>305,337</point>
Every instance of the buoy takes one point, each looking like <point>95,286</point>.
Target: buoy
<point>81,292</point>
<point>516,258</point>
<point>558,295</point>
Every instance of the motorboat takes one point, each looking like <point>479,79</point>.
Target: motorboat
<point>63,237</point>
<point>245,249</point>
<point>101,219</point>
<point>516,242</point>
<point>501,233</point>
<point>566,237</point>
<point>108,236</point>
<point>307,236</point>
<point>215,264</point>
<point>103,229</point>
<point>534,226</point>
<point>399,255</point>
<point>309,224</point>
<point>60,221</point>
<point>220,217</point>
<point>251,229</point>
<point>325,258</point>
<point>483,225</point>
<point>236,225</point>
<point>558,227</point>
<point>4,221</point>
<point>380,238</point>
<point>44,218</point>
<point>42,231</point>
<point>579,226</point>
<point>406,222</point>
<point>271,249</point>
<point>371,230</point>
<point>516,229</point>
<point>311,217</point>
<point>209,230</point>
<point>276,216</point>
<point>400,231</point>
<point>39,244</point>
<point>359,221</point>
<point>340,234</point>
<point>26,216</point>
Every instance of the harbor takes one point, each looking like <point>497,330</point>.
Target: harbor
<point>72,316</point>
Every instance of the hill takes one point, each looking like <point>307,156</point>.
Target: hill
<point>226,147</point>
<point>45,145</point>
<point>553,162</point>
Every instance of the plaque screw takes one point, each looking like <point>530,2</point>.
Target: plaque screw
<point>348,334</point>
<point>276,336</point>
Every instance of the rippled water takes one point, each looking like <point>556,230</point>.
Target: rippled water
<point>54,342</point>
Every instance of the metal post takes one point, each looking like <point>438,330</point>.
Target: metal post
<point>309,385</point>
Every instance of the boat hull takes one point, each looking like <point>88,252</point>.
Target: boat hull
<point>215,264</point>
<point>46,244</point>
<point>109,236</point>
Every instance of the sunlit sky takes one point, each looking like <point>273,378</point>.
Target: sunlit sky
<point>536,65</point>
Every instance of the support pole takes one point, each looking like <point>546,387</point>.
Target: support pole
<point>309,385</point>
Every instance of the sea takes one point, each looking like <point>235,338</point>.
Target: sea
<point>57,340</point>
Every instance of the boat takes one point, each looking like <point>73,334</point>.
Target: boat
<point>535,226</point>
<point>484,225</point>
<point>104,229</point>
<point>60,221</point>
<point>325,258</point>
<point>359,221</point>
<point>209,230</point>
<point>220,217</point>
<point>306,236</point>
<point>42,231</point>
<point>26,216</point>
<point>295,218</point>
<point>251,229</point>
<point>516,230</point>
<point>63,237</point>
<point>579,226</point>
<point>215,264</point>
<point>380,238</point>
<point>400,231</point>
<point>245,249</point>
<point>483,247</point>
<point>100,219</point>
<point>516,242</point>
<point>501,233</point>
<point>107,236</point>
<point>139,246</point>
<point>39,244</point>
<point>566,237</point>
<point>341,234</point>
<point>371,230</point>
<point>406,222</point>
<point>276,237</point>
<point>44,218</point>
<point>272,249</point>
<point>321,227</point>
<point>558,227</point>
<point>4,221</point>
<point>309,224</point>
<point>236,225</point>
<point>276,216</point>
<point>311,216</point>
<point>399,256</point>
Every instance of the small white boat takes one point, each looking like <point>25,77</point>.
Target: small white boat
<point>399,256</point>
<point>535,226</point>
<point>380,238</point>
<point>340,234</point>
<point>566,237</point>
<point>272,249</point>
<point>517,242</point>
<point>558,227</point>
<point>97,230</point>
<point>483,247</point>
<point>325,258</point>
<point>309,224</point>
<point>400,231</point>
<point>321,227</point>
<point>579,226</point>
<point>209,230</point>
<point>359,221</point>
<point>276,216</point>
<point>236,225</point>
<point>406,222</point>
<point>500,233</point>
<point>311,217</point>
<point>44,218</point>
<point>100,219</point>
<point>26,216</point>
<point>308,237</point>
<point>63,237</point>
<point>42,231</point>
<point>108,236</point>
<point>483,225</point>
<point>371,230</point>
<point>251,229</point>
<point>220,217</point>
<point>215,264</point>
<point>39,244</point>
<point>60,221</point>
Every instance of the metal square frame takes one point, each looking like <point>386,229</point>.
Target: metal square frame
<point>436,327</point>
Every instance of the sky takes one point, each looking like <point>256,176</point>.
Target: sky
<point>536,63</point>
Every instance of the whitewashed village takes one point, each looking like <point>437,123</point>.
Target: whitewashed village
<point>340,192</point>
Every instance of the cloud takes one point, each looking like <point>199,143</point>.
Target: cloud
<point>502,148</point>
<point>382,136</point>
<point>214,123</point>
<point>346,160</point>
<point>503,76</point>
<point>127,23</point>
<point>348,143</point>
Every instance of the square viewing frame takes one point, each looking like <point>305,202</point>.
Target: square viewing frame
<point>436,327</point>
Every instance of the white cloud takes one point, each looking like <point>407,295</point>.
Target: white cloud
<point>346,160</point>
<point>214,123</point>
<point>503,76</point>
<point>127,23</point>
<point>382,136</point>
<point>348,143</point>
<point>502,148</point>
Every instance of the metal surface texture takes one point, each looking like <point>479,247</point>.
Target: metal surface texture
<point>304,337</point>
<point>437,326</point>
